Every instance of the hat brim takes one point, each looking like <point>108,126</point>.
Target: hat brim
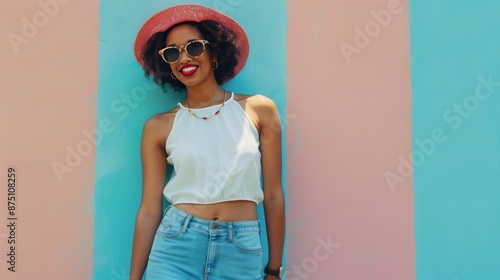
<point>169,17</point>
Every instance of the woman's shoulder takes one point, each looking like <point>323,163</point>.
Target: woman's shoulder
<point>254,99</point>
<point>257,102</point>
<point>261,109</point>
<point>161,122</point>
<point>164,117</point>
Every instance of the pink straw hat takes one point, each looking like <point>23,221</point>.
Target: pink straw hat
<point>169,17</point>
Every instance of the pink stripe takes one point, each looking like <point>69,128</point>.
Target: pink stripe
<point>48,96</point>
<point>349,118</point>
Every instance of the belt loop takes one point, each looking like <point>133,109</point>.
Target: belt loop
<point>186,223</point>
<point>230,231</point>
<point>166,209</point>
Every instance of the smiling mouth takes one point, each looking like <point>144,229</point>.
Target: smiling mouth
<point>188,70</point>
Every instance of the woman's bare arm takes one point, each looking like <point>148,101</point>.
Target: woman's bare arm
<point>274,205</point>
<point>150,212</point>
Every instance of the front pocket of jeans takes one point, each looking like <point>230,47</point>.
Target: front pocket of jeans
<point>169,228</point>
<point>248,242</point>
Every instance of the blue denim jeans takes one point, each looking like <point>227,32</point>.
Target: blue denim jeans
<point>190,248</point>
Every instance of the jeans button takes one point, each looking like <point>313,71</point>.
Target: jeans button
<point>214,226</point>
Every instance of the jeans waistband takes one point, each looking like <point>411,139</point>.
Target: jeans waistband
<point>211,226</point>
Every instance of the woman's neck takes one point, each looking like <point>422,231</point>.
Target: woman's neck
<point>203,96</point>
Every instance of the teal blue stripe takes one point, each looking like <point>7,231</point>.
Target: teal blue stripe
<point>126,100</point>
<point>456,97</point>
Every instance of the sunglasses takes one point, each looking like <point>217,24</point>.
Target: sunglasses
<point>193,49</point>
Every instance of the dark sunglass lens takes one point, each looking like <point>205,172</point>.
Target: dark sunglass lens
<point>171,54</point>
<point>194,48</point>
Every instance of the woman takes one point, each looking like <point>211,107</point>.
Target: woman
<point>219,143</point>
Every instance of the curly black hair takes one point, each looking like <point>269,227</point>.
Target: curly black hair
<point>222,46</point>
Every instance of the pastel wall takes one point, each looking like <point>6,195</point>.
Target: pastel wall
<point>349,119</point>
<point>126,99</point>
<point>456,116</point>
<point>390,111</point>
<point>47,103</point>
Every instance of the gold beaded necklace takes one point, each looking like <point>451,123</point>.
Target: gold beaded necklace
<point>207,117</point>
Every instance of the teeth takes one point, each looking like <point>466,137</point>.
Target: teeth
<point>188,69</point>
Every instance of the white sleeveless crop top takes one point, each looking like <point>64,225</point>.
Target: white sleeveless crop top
<point>214,160</point>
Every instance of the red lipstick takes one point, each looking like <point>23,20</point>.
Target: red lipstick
<point>188,70</point>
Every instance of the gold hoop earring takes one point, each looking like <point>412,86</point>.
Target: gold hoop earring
<point>215,65</point>
<point>172,75</point>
